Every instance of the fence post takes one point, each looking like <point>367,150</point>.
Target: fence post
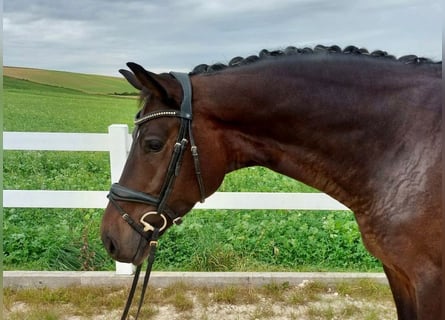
<point>119,143</point>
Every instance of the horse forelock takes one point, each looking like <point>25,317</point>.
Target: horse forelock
<point>319,49</point>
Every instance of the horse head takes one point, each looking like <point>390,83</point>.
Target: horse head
<point>162,178</point>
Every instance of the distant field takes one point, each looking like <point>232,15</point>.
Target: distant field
<point>30,106</point>
<point>82,82</point>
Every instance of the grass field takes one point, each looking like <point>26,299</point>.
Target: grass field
<point>86,83</point>
<point>213,240</point>
<point>30,106</point>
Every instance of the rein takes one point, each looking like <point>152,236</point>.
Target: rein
<point>118,192</point>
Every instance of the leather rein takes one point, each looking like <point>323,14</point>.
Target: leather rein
<point>118,192</point>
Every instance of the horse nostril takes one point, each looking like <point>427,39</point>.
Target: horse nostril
<point>110,246</point>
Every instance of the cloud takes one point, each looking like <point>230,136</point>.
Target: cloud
<point>99,36</point>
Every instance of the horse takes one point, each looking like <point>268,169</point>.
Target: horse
<point>365,128</point>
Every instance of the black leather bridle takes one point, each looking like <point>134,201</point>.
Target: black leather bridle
<point>118,192</point>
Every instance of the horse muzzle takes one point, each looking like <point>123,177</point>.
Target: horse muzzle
<point>122,243</point>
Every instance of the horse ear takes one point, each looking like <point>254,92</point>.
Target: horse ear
<point>131,79</point>
<point>143,79</point>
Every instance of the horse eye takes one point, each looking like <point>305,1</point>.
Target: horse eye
<point>153,145</point>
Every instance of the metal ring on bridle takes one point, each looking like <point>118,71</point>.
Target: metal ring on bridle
<point>148,226</point>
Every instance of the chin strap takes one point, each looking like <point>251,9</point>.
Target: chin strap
<point>151,258</point>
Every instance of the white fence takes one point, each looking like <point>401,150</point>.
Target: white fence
<point>117,142</point>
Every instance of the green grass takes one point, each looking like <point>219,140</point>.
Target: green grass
<point>36,107</point>
<point>51,170</point>
<point>67,239</point>
<point>265,240</point>
<point>53,239</point>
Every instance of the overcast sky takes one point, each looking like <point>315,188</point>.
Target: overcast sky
<point>100,36</point>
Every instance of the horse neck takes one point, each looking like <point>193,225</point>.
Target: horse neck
<point>328,124</point>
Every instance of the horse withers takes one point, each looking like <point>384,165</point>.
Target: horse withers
<point>362,127</point>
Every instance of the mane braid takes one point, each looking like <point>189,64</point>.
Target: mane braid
<point>319,49</point>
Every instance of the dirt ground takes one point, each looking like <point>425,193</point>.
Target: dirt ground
<point>331,307</point>
<point>305,302</point>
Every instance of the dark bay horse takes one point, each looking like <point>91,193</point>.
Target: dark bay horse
<point>362,127</point>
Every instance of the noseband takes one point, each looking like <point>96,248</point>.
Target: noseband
<point>118,192</point>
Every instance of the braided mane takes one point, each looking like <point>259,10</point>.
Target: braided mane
<point>319,49</point>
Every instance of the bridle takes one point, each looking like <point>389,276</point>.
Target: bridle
<point>118,192</point>
<point>121,193</point>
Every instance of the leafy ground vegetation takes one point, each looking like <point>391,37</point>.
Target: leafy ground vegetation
<point>208,240</point>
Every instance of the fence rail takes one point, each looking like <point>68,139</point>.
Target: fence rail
<point>117,143</point>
